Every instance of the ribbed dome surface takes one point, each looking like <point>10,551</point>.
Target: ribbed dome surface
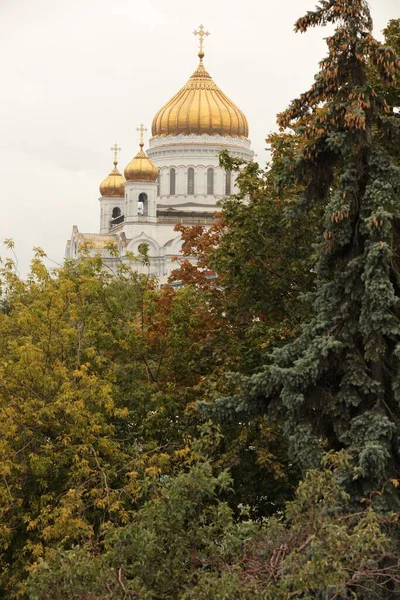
<point>113,184</point>
<point>200,108</point>
<point>141,168</point>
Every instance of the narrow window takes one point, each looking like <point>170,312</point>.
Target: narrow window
<point>158,182</point>
<point>116,211</point>
<point>142,204</point>
<point>228,178</point>
<point>190,186</point>
<point>210,181</point>
<point>172,178</point>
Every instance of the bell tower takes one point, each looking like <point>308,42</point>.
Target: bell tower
<point>112,200</point>
<point>141,186</point>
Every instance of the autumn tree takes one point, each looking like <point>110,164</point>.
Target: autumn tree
<point>254,262</point>
<point>96,373</point>
<point>108,489</point>
<point>185,544</point>
<point>252,265</point>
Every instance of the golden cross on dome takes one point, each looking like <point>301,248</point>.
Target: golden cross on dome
<point>141,129</point>
<point>201,33</point>
<point>115,149</point>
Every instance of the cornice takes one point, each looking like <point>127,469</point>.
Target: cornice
<point>200,140</point>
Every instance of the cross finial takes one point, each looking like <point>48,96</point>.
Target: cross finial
<point>201,34</point>
<point>115,149</point>
<point>141,129</point>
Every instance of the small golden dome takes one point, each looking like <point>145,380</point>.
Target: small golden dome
<point>200,108</point>
<point>141,168</point>
<point>113,184</point>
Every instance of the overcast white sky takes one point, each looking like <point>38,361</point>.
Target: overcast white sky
<point>79,75</point>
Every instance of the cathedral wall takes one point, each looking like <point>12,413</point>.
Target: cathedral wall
<point>168,154</point>
<point>107,206</point>
<point>159,233</point>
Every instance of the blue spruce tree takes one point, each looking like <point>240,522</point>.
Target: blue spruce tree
<point>338,383</point>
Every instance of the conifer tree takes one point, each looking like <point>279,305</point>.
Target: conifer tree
<point>339,381</point>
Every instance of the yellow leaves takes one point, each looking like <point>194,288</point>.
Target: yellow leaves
<point>64,348</point>
<point>65,440</point>
<point>96,429</point>
<point>35,549</point>
<point>182,452</point>
<point>9,243</point>
<point>161,458</point>
<point>395,482</point>
<point>121,413</point>
<point>5,469</point>
<point>153,471</point>
<point>31,524</point>
<point>66,521</point>
<point>78,373</point>
<point>38,465</point>
<point>123,516</point>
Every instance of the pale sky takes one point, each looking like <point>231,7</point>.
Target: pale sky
<point>80,75</point>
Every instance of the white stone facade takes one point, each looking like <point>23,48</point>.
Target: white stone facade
<point>150,211</point>
<point>200,153</point>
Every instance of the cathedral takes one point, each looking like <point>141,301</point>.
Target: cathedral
<point>176,180</point>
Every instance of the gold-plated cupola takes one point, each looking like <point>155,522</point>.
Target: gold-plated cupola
<point>141,168</point>
<point>113,185</point>
<point>200,108</point>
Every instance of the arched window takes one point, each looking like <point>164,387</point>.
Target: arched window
<point>142,204</point>
<point>210,181</point>
<point>172,180</point>
<point>159,182</point>
<point>190,185</point>
<point>116,212</point>
<point>228,179</point>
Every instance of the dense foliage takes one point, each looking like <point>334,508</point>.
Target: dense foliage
<point>114,485</point>
<point>184,543</point>
<point>99,374</point>
<point>338,382</point>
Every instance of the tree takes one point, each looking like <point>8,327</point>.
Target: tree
<point>390,92</point>
<point>105,493</point>
<point>96,372</point>
<point>338,382</point>
<point>63,471</point>
<point>184,544</point>
<point>252,265</point>
<point>254,262</point>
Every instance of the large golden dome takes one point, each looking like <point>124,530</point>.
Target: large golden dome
<point>141,168</point>
<point>200,108</point>
<point>113,184</point>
